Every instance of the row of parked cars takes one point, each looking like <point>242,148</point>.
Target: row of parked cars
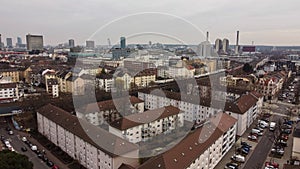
<point>40,153</point>
<point>239,157</point>
<point>7,143</point>
<point>257,131</point>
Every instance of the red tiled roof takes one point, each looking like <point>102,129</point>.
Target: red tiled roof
<point>111,145</point>
<point>183,154</point>
<point>144,118</point>
<point>109,104</point>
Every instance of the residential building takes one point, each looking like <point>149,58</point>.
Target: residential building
<point>74,137</point>
<point>202,148</point>
<point>144,77</point>
<point>9,92</point>
<point>52,87</point>
<point>107,111</point>
<point>138,65</point>
<point>13,74</point>
<point>270,84</point>
<point>142,126</point>
<point>296,143</point>
<point>105,81</point>
<point>244,108</point>
<point>122,80</point>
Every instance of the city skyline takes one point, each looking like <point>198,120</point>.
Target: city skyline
<point>270,23</point>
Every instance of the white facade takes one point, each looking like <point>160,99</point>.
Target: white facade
<point>98,113</point>
<point>105,84</point>
<point>198,113</point>
<point>173,72</point>
<point>78,148</point>
<point>199,149</point>
<point>9,91</point>
<point>145,131</point>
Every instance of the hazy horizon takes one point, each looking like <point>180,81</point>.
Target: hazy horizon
<point>269,22</point>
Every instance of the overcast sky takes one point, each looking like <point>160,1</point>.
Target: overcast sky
<point>267,22</point>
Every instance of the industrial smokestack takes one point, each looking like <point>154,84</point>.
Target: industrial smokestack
<point>237,43</point>
<point>207,36</point>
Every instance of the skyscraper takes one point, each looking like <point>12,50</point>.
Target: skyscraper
<point>19,40</point>
<point>123,42</point>
<point>90,44</point>
<point>9,42</point>
<point>71,43</point>
<point>34,42</point>
<point>218,45</point>
<point>225,45</point>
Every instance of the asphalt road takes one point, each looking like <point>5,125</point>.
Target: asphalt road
<point>17,143</point>
<point>259,155</point>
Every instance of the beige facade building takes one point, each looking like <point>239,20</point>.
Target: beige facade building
<point>13,74</point>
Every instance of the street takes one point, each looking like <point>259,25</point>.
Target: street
<point>17,143</point>
<point>260,153</point>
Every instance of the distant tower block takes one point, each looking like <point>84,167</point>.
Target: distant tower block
<point>123,42</point>
<point>71,43</point>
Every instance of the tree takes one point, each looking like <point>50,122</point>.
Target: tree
<point>247,68</point>
<point>12,160</point>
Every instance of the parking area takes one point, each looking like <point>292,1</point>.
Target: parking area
<point>290,92</point>
<point>237,146</point>
<point>259,137</point>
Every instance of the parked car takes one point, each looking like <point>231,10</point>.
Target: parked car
<point>24,139</point>
<point>284,137</point>
<point>286,126</point>
<point>231,166</point>
<point>252,137</point>
<point>243,143</point>
<point>49,163</point>
<point>282,142</point>
<point>238,158</point>
<point>286,131</point>
<point>41,156</point>
<point>10,132</point>
<point>243,151</point>
<point>23,149</point>
<point>277,151</point>
<point>272,164</point>
<point>55,167</point>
